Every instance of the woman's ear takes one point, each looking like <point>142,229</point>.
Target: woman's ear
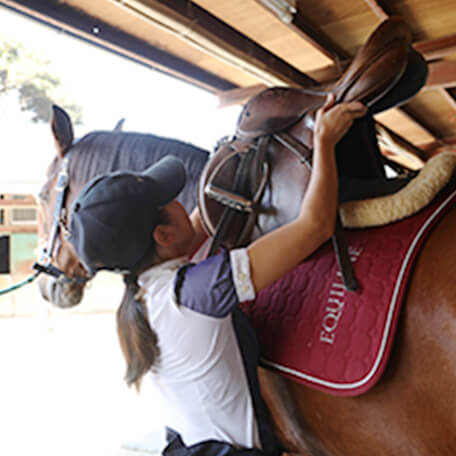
<point>164,235</point>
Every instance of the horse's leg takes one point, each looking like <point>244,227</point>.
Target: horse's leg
<point>412,410</point>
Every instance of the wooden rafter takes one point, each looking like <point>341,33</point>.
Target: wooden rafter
<point>199,28</point>
<point>214,36</point>
<point>435,147</point>
<point>300,25</point>
<point>377,8</point>
<point>430,49</point>
<point>65,18</point>
<point>449,97</point>
<point>441,75</point>
<point>398,148</point>
<point>410,116</point>
<point>438,48</point>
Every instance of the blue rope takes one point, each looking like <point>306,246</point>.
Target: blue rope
<point>20,284</point>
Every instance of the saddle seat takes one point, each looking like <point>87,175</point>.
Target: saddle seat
<point>375,71</point>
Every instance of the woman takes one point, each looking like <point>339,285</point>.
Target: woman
<point>179,323</point>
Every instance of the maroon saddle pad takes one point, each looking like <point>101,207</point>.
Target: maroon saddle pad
<point>314,331</point>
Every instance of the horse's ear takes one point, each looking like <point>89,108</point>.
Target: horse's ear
<point>119,125</point>
<point>62,129</point>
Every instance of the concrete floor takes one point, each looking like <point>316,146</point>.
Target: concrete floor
<point>61,387</point>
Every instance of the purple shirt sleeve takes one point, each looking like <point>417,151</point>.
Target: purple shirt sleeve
<point>208,287</point>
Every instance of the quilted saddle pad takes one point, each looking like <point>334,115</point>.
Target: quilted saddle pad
<point>314,331</point>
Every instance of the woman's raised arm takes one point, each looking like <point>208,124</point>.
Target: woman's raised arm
<point>274,254</point>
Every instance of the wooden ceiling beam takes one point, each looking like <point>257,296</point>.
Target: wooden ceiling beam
<point>410,116</point>
<point>378,9</point>
<point>441,75</point>
<point>437,48</point>
<point>430,49</point>
<point>206,32</point>
<point>64,18</point>
<point>389,138</point>
<point>449,97</point>
<point>297,22</point>
<point>434,147</point>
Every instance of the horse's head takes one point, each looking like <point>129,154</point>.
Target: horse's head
<point>56,197</point>
<point>76,164</point>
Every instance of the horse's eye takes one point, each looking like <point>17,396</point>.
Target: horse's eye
<point>43,195</point>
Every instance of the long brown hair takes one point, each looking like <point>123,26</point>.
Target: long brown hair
<point>138,341</point>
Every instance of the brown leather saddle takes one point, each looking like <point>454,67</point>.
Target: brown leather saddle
<point>255,181</point>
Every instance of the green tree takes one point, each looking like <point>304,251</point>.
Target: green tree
<point>29,77</point>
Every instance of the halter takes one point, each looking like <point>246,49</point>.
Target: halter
<point>44,264</point>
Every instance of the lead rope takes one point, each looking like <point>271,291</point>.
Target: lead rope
<point>18,285</point>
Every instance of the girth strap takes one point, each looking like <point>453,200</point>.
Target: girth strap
<point>338,239</point>
<point>343,258</point>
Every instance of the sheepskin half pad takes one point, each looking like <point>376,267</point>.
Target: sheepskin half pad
<point>435,174</point>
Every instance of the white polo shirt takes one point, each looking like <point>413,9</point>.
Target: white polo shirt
<point>206,372</point>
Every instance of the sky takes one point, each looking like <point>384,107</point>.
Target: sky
<point>109,88</point>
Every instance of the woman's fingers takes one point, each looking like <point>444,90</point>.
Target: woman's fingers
<point>329,102</point>
<point>333,121</point>
<point>356,108</point>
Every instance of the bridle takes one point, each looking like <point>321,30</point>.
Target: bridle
<point>44,264</point>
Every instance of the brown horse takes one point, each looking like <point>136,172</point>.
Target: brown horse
<point>410,411</point>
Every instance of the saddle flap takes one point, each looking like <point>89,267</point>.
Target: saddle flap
<point>378,52</point>
<point>378,77</point>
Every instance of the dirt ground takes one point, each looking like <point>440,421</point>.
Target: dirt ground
<point>61,387</point>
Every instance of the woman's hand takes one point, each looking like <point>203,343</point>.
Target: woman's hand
<point>333,121</point>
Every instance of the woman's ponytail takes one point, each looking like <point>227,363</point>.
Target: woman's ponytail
<point>139,343</point>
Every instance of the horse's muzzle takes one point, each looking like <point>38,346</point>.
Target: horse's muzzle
<point>59,293</point>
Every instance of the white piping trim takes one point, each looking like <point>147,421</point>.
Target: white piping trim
<point>347,386</point>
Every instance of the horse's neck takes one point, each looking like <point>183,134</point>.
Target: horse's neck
<point>103,152</point>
